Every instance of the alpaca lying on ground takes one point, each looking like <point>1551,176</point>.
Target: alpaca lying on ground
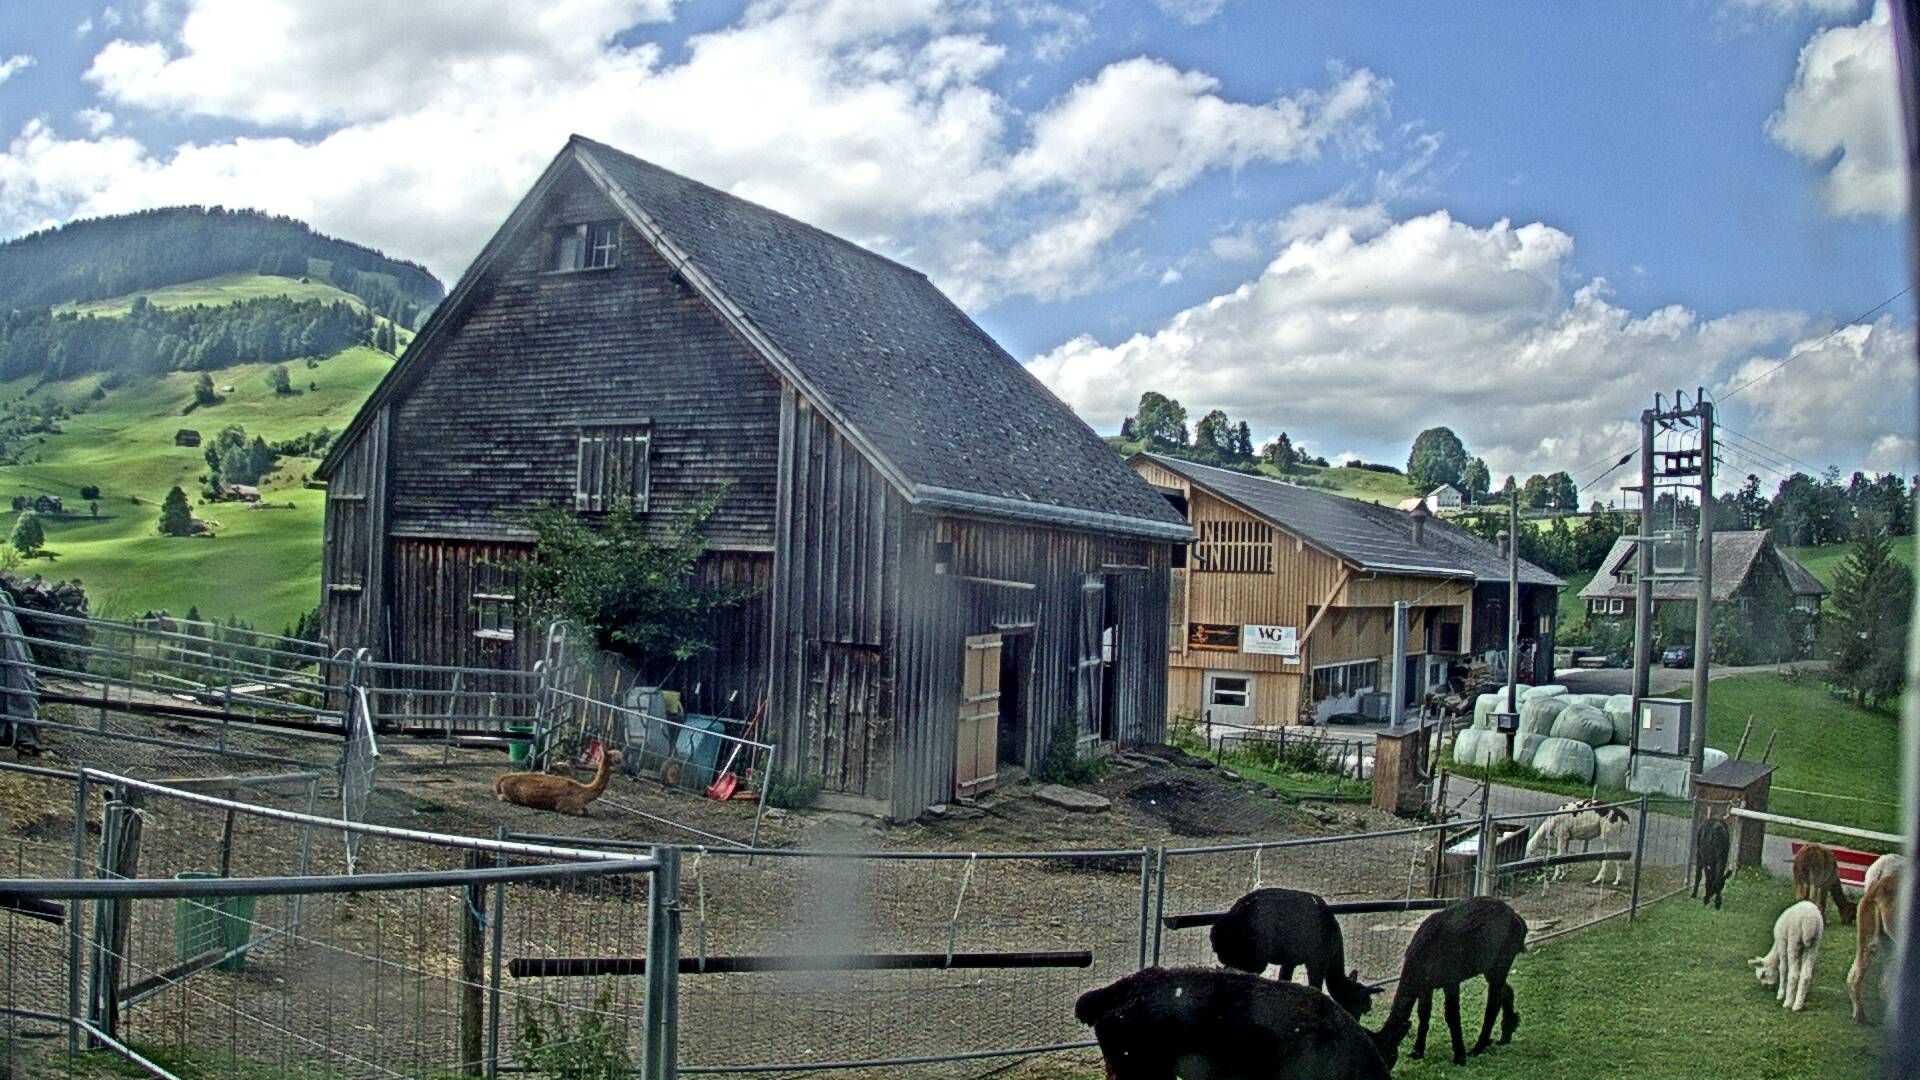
<point>1582,819</point>
<point>1796,945</point>
<point>1878,917</point>
<point>543,791</point>
<point>1162,1023</point>
<point>1711,842</point>
<point>1479,936</point>
<point>1290,928</point>
<point>1816,876</point>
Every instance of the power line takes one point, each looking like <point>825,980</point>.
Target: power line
<point>1798,353</point>
<point>1778,453</point>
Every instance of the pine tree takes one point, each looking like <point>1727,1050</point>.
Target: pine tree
<point>176,517</point>
<point>1872,595</point>
<point>28,535</point>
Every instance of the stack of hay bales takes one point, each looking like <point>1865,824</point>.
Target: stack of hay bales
<point>1582,737</point>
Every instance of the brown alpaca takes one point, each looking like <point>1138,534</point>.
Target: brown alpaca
<point>542,791</point>
<point>1816,876</point>
<point>1878,912</point>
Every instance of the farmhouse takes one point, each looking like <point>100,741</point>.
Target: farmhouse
<point>186,437</point>
<point>1776,598</point>
<point>1282,612</point>
<point>948,562</point>
<point>1444,499</point>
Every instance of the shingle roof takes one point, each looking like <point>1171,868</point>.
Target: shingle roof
<point>1734,556</point>
<point>1377,538</point>
<point>882,349</point>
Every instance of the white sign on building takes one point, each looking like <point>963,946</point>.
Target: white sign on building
<point>1270,640</point>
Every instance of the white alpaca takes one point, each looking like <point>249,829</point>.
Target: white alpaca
<point>1796,945</point>
<point>1582,820</point>
<point>1882,866</point>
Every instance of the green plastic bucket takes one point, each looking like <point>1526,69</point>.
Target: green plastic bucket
<point>204,924</point>
<point>519,743</point>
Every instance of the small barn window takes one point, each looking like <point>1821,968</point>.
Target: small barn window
<point>494,601</point>
<point>611,466</point>
<point>591,245</point>
<point>1235,547</point>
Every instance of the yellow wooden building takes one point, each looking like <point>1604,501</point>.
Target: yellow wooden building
<point>1286,596</point>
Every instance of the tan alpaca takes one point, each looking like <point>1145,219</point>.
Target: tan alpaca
<point>1816,876</point>
<point>1878,912</point>
<point>543,791</point>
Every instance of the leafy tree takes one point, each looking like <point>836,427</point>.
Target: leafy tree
<point>627,581</point>
<point>1161,421</point>
<point>278,380</point>
<point>1536,494</point>
<point>1126,429</point>
<point>1281,454</point>
<point>28,535</point>
<point>1438,457</point>
<point>1507,488</point>
<point>1243,442</point>
<point>1561,492</point>
<point>93,508</point>
<point>176,517</point>
<point>89,491</point>
<point>1748,509</point>
<point>203,390</point>
<point>1475,480</point>
<point>1872,598</point>
<point>1213,436</point>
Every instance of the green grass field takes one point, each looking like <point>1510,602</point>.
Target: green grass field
<point>1824,561</point>
<point>214,291</point>
<point>1667,997</point>
<point>1363,484</point>
<point>1573,610</point>
<point>261,566</point>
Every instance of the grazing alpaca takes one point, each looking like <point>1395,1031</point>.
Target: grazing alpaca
<point>1290,928</point>
<point>1582,819</point>
<point>1479,936</point>
<point>1711,842</point>
<point>1162,1023</point>
<point>542,791</point>
<point>1886,864</point>
<point>1816,876</point>
<point>1796,945</point>
<point>1879,912</point>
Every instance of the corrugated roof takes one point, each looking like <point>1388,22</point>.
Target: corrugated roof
<point>1375,538</point>
<point>1734,557</point>
<point>881,348</point>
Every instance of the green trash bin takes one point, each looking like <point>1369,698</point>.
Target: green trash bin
<point>203,924</point>
<point>519,743</point>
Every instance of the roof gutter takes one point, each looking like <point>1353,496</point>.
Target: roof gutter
<point>942,498</point>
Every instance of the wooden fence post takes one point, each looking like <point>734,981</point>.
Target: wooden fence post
<point>473,952</point>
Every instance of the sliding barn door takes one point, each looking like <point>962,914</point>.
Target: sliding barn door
<point>977,755</point>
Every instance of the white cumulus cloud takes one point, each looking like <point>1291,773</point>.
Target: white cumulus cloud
<point>14,65</point>
<point>1842,115</point>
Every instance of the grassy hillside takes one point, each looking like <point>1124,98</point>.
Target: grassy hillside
<point>262,565</point>
<point>1573,610</point>
<point>1825,559</point>
<point>1363,484</point>
<point>225,289</point>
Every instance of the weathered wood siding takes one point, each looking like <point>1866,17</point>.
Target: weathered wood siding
<point>833,608</point>
<point>490,429</point>
<point>352,553</point>
<point>432,610</point>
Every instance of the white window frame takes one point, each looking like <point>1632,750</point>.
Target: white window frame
<point>586,245</point>
<point>1343,679</point>
<point>1217,689</point>
<point>598,447</point>
<point>1616,606</point>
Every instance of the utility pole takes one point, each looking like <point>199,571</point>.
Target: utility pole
<point>1513,609</point>
<point>1643,567</point>
<point>1703,596</point>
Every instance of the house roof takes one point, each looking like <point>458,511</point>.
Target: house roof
<point>1372,537</point>
<point>1735,554</point>
<point>946,414</point>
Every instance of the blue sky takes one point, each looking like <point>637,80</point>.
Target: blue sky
<point>1293,211</point>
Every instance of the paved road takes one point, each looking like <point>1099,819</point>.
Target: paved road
<point>1662,679</point>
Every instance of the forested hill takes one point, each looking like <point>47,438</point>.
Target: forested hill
<point>115,256</point>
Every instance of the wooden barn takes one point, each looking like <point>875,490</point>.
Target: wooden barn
<point>948,561</point>
<point>1282,612</point>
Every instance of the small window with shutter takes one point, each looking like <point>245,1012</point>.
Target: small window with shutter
<point>611,466</point>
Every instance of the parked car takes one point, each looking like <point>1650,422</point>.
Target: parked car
<point>1677,656</point>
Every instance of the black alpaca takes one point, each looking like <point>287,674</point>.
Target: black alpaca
<point>1292,929</point>
<point>1711,841</point>
<point>1480,936</point>
<point>1162,1023</point>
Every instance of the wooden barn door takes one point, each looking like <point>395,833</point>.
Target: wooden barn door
<point>1090,671</point>
<point>844,712</point>
<point>976,758</point>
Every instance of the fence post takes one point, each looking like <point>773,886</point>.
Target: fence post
<point>1639,859</point>
<point>1485,860</point>
<point>76,938</point>
<point>493,981</point>
<point>663,966</point>
<point>1146,901</point>
<point>1159,896</point>
<point>473,951</point>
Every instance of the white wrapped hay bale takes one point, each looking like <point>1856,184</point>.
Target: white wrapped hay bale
<point>1529,693</point>
<point>1486,705</point>
<point>1537,716</point>
<point>1591,701</point>
<point>1621,716</point>
<point>1583,723</point>
<point>1659,776</point>
<point>1713,757</point>
<point>1565,758</point>
<point>1524,747</point>
<point>1478,747</point>
<point>1610,766</point>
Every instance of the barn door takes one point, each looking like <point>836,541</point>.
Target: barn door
<point>977,753</point>
<point>1090,669</point>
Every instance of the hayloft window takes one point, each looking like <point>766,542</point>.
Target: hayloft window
<point>1235,547</point>
<point>494,601</point>
<point>592,245</point>
<point>611,466</point>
